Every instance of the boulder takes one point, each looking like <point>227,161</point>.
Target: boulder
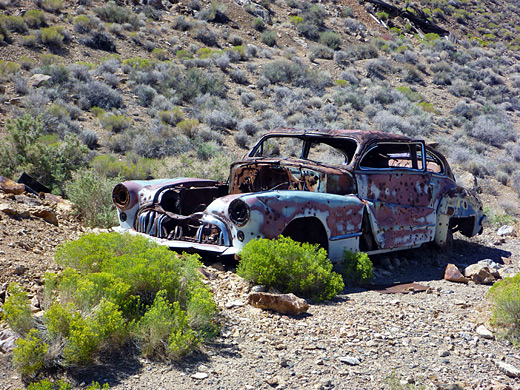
<point>453,274</point>
<point>508,369</point>
<point>485,333</point>
<point>505,230</point>
<point>37,80</point>
<point>282,303</point>
<point>480,274</point>
<point>11,187</point>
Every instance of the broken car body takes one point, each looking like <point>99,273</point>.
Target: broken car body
<point>343,189</point>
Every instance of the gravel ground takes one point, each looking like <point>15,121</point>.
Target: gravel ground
<point>362,339</point>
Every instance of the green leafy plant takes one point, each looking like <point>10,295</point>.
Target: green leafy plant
<point>114,289</point>
<point>290,266</point>
<point>505,295</point>
<point>16,309</point>
<point>258,24</point>
<point>45,384</point>
<point>357,267</point>
<point>52,36</point>
<point>269,38</point>
<point>29,354</point>
<point>330,39</point>
<point>91,194</point>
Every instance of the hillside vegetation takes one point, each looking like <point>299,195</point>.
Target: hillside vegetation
<point>119,90</point>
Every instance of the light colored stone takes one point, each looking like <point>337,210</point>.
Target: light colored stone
<point>479,273</point>
<point>282,303</point>
<point>37,80</point>
<point>350,360</point>
<point>485,333</point>
<point>505,230</point>
<point>200,375</point>
<point>508,369</point>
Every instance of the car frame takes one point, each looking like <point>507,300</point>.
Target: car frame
<point>349,190</point>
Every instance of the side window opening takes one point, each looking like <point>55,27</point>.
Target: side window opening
<point>394,156</point>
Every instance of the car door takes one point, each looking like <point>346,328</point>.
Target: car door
<point>391,177</point>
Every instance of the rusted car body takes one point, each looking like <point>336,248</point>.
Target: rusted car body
<point>343,189</point>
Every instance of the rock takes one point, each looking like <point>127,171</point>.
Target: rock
<point>200,375</point>
<point>259,288</point>
<point>7,345</point>
<point>45,214</point>
<point>37,80</point>
<point>508,369</point>
<point>11,187</point>
<point>453,274</point>
<point>479,273</point>
<point>444,353</point>
<point>386,264</point>
<point>233,304</point>
<point>483,332</point>
<point>218,266</point>
<point>469,181</point>
<point>350,360</point>
<point>505,230</point>
<point>282,303</point>
<point>20,270</point>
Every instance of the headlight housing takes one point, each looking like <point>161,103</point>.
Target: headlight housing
<point>239,212</point>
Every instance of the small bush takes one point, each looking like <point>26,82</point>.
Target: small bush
<point>34,18</point>
<point>15,24</point>
<point>82,24</point>
<point>505,296</point>
<point>97,94</point>
<point>330,39</point>
<point>91,194</point>
<point>29,354</point>
<point>320,51</point>
<point>115,123</point>
<point>52,5</point>
<point>289,266</point>
<point>52,36</point>
<point>258,24</point>
<point>16,309</point>
<point>269,38</point>
<point>113,13</point>
<point>357,267</point>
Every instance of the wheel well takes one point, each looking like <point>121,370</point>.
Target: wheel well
<point>464,225</point>
<point>309,230</point>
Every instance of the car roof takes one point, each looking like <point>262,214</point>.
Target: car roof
<point>361,136</point>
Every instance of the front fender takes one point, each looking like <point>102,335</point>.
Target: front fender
<point>272,211</point>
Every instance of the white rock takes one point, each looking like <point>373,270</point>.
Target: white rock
<point>508,369</point>
<point>483,332</point>
<point>350,360</point>
<point>505,230</point>
<point>199,375</point>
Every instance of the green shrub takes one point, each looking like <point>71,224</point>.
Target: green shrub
<point>83,24</point>
<point>160,54</point>
<point>45,384</point>
<point>357,267</point>
<point>296,20</point>
<point>112,13</point>
<point>171,117</point>
<point>382,15</point>
<point>164,329</point>
<point>290,266</point>
<point>26,148</point>
<point>52,36</point>
<point>91,194</point>
<point>16,309</point>
<point>15,24</point>
<point>131,167</point>
<point>330,39</point>
<point>29,354</point>
<point>52,5</point>
<point>505,295</point>
<point>115,123</point>
<point>269,38</point>
<point>34,18</point>
<point>117,288</point>
<point>189,127</point>
<point>258,24</point>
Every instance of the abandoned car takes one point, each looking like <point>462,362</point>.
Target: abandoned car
<point>343,189</point>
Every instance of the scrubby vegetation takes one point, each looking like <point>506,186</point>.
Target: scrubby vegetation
<point>505,295</point>
<point>357,267</point>
<point>115,291</point>
<point>290,266</point>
